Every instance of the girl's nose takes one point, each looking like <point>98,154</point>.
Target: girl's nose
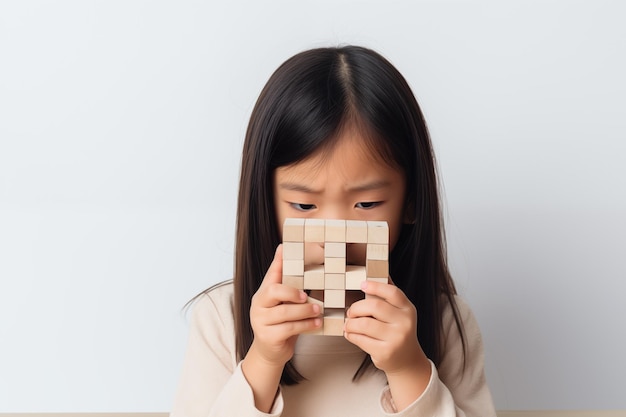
<point>337,213</point>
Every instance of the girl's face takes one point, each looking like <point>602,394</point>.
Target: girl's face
<point>348,182</point>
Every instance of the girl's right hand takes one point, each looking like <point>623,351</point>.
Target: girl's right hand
<point>278,314</point>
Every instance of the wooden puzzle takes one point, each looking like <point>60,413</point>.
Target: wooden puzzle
<point>334,285</point>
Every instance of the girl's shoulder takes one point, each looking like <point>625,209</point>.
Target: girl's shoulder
<point>464,314</point>
<point>212,324</point>
<point>461,305</point>
<point>216,304</point>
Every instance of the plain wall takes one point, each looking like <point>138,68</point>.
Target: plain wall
<point>121,125</point>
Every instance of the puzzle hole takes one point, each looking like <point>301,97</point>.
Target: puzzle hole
<point>355,253</point>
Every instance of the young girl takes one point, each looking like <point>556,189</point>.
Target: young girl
<point>336,133</point>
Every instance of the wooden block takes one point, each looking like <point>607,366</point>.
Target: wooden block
<point>334,250</point>
<point>378,252</point>
<point>377,232</point>
<point>335,265</point>
<point>293,250</point>
<point>334,281</point>
<point>377,269</point>
<point>334,320</point>
<point>334,298</point>
<point>314,230</point>
<point>294,281</point>
<point>293,230</point>
<point>293,266</point>
<point>314,277</point>
<point>356,231</point>
<point>355,275</point>
<point>335,231</point>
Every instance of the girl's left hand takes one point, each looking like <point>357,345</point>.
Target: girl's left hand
<point>385,326</point>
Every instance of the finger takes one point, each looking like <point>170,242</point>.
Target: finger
<point>367,326</point>
<point>272,292</point>
<point>271,295</point>
<point>284,313</point>
<point>292,328</point>
<point>392,294</point>
<point>373,307</point>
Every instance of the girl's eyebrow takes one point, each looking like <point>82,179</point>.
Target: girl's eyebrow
<point>368,186</point>
<point>291,186</point>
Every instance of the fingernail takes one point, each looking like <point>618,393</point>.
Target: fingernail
<point>364,285</point>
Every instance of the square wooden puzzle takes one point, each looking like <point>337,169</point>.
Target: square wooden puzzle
<point>337,283</point>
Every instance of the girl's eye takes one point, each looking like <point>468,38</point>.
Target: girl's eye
<point>367,204</point>
<point>303,207</point>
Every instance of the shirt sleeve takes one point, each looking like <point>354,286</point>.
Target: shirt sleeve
<point>456,388</point>
<point>211,382</point>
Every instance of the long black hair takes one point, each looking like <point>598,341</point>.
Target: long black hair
<point>302,108</point>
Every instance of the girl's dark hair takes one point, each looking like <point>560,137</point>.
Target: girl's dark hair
<point>302,108</point>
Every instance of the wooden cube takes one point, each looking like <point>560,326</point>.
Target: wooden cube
<point>335,250</point>
<point>377,232</point>
<point>293,250</point>
<point>293,266</point>
<point>335,265</point>
<point>377,269</point>
<point>314,277</point>
<point>334,298</point>
<point>334,320</point>
<point>377,251</point>
<point>293,230</point>
<point>334,281</point>
<point>314,230</point>
<point>356,231</point>
<point>335,231</point>
<point>341,283</point>
<point>355,275</point>
<point>294,281</point>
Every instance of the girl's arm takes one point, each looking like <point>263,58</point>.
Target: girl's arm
<point>212,383</point>
<point>278,314</point>
<point>383,326</point>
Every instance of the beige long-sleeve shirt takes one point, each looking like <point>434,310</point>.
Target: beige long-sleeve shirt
<point>212,383</point>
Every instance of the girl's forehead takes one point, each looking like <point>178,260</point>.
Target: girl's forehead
<point>352,144</point>
<point>350,157</point>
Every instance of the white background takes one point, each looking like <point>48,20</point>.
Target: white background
<point>121,124</point>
